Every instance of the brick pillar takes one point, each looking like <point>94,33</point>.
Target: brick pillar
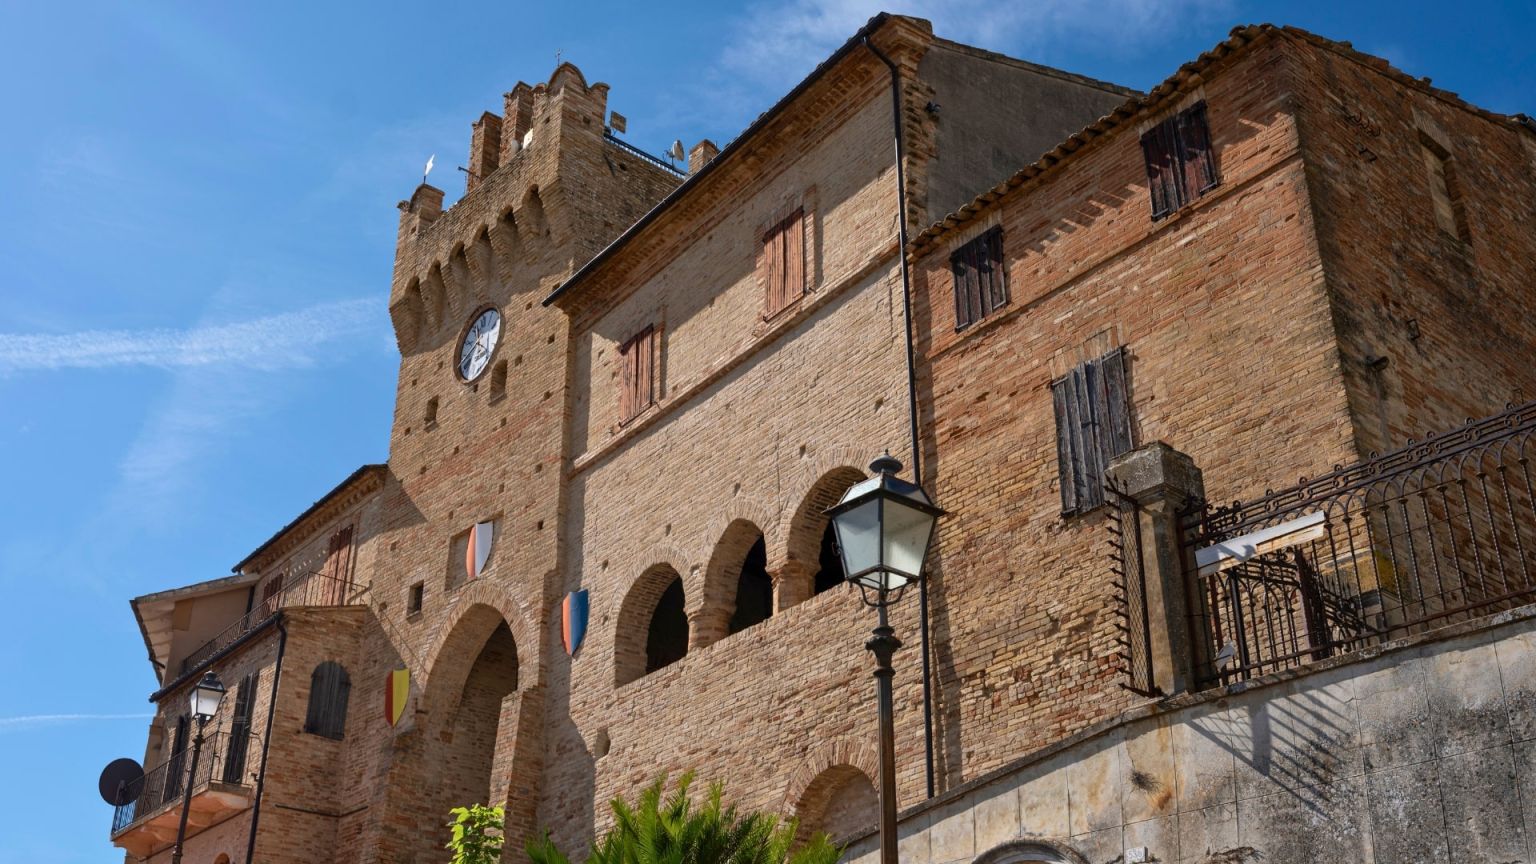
<point>484,150</point>
<point>1161,480</point>
<point>700,155</point>
<point>792,584</point>
<point>517,119</point>
<point>517,767</point>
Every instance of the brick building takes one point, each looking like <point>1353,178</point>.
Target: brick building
<point>647,385</point>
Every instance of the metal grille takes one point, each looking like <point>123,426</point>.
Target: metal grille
<point>1133,630</point>
<point>316,589</point>
<point>162,787</point>
<point>1438,532</point>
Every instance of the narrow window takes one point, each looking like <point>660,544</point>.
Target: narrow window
<point>271,597</point>
<point>414,598</point>
<point>638,386</point>
<point>329,688</point>
<point>499,380</point>
<point>239,732</point>
<point>1444,191</point>
<point>173,774</point>
<point>981,280</point>
<point>1181,165</point>
<point>430,419</point>
<point>784,264</point>
<point>1093,425</point>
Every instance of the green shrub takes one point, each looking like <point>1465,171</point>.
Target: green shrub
<point>477,834</point>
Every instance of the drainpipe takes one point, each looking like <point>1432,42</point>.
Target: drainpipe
<point>917,450</point>
<point>266,740</point>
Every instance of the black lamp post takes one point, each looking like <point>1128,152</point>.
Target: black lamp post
<point>205,701</point>
<point>884,527</point>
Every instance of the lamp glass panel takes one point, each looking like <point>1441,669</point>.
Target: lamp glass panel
<point>906,538</point>
<point>858,536</point>
<point>205,701</point>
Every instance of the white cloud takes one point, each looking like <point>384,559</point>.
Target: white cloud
<point>272,342</point>
<point>36,721</point>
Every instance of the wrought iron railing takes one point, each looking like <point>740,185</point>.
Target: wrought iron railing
<point>165,784</point>
<point>1132,627</point>
<point>1440,531</point>
<point>315,589</point>
<point>636,151</point>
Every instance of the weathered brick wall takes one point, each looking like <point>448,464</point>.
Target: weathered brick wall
<point>1432,328</point>
<point>1222,310</point>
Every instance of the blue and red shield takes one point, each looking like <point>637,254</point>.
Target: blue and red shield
<point>573,620</point>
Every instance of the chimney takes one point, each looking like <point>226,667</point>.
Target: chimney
<point>700,155</point>
<point>484,150</point>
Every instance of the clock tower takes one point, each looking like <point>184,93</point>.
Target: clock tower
<point>466,582</point>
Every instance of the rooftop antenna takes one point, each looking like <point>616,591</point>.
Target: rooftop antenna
<point>676,153</point>
<point>427,170</point>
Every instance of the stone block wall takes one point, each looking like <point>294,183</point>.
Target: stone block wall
<point>1415,751</point>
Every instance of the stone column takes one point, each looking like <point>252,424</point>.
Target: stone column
<point>1162,480</point>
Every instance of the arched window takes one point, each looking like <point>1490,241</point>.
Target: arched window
<point>840,802</point>
<point>812,541</point>
<point>652,629</point>
<point>754,590</point>
<point>666,641</point>
<point>329,688</point>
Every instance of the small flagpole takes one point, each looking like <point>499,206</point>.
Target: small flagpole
<point>427,170</point>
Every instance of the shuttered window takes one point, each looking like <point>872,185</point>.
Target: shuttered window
<point>239,731</point>
<point>637,359</point>
<point>1093,425</point>
<point>1181,166</point>
<point>329,688</point>
<point>981,280</point>
<point>784,264</point>
<point>271,596</point>
<point>337,569</point>
<point>173,774</point>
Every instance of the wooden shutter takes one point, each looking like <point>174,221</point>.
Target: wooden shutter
<point>784,264</point>
<point>271,596</point>
<point>1093,426</point>
<point>1199,162</point>
<point>1159,147</point>
<point>329,689</point>
<point>338,569</point>
<point>981,282</point>
<point>239,732</point>
<point>173,778</point>
<point>638,359</point>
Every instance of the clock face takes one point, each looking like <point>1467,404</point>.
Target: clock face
<point>479,343</point>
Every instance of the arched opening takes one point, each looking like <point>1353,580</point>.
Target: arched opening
<point>435,297</point>
<point>652,625</point>
<point>841,803</point>
<point>754,590</point>
<point>1029,852</point>
<point>812,552</point>
<point>482,258</point>
<point>738,591</point>
<point>475,720</point>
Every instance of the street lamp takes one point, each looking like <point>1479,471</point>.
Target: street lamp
<point>884,526</point>
<point>204,701</point>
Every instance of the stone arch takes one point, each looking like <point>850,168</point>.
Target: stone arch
<point>222,859</point>
<point>477,609</point>
<point>1031,851</point>
<point>533,218</point>
<point>810,558</point>
<point>738,563</point>
<point>504,242</point>
<point>408,315</point>
<point>481,259</point>
<point>642,642</point>
<point>833,790</point>
<point>434,294</point>
<point>463,277</point>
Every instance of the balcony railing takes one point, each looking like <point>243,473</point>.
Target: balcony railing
<point>636,151</point>
<point>163,786</point>
<point>315,589</point>
<point>1441,531</point>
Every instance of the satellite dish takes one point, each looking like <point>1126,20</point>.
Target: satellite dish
<point>121,782</point>
<point>677,151</point>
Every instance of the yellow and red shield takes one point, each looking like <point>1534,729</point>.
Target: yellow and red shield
<point>396,692</point>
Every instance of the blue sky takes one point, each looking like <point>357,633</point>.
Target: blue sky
<point>196,230</point>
